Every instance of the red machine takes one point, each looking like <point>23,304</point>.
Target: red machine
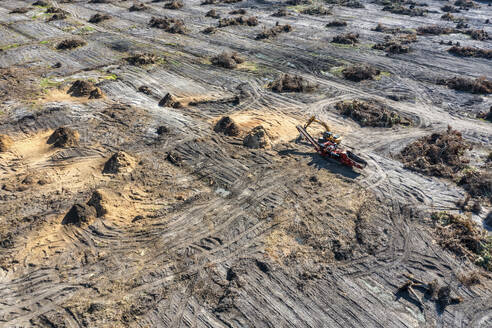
<point>330,149</point>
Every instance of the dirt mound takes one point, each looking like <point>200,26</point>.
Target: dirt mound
<point>477,183</point>
<point>463,237</point>
<point>227,59</point>
<point>336,23</point>
<point>97,18</point>
<point>5,143</point>
<point>439,154</point>
<point>64,137</point>
<point>170,101</point>
<point>170,25</point>
<point>291,83</point>
<point>470,52</point>
<point>402,10</point>
<point>58,13</point>
<point>70,44</point>
<point>392,46</point>
<point>359,73</point>
<point>138,7</point>
<point>450,9</point>
<point>274,31</point>
<point>241,11</point>
<point>81,88</point>
<point>466,4</point>
<point>257,138</point>
<point>212,13</point>
<point>241,20</point>
<point>174,5</point>
<point>209,30</point>
<point>98,201</point>
<point>226,126</point>
<point>370,113</point>
<point>348,38</point>
<point>142,59</point>
<point>480,85</point>
<point>434,30</point>
<point>280,13</point>
<point>120,162</point>
<point>317,10</point>
<point>162,130</point>
<point>96,93</point>
<point>79,214</point>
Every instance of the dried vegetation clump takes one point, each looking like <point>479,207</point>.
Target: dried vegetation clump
<point>142,59</point>
<point>480,35</point>
<point>212,13</point>
<point>348,38</point>
<point>470,52</point>
<point>370,113</point>
<point>402,10</point>
<point>227,59</point>
<point>227,126</point>
<point>170,25</point>
<point>281,13</point>
<point>274,31</point>
<point>241,20</point>
<point>81,88</point>
<point>463,237</point>
<point>439,154</point>
<point>434,30</point>
<point>359,73</point>
<point>346,3</point>
<point>138,7</point>
<point>291,83</point>
<point>70,44</point>
<point>479,86</point>
<point>174,5</point>
<point>336,23</point>
<point>477,183</point>
<point>57,14</point>
<point>317,10</point>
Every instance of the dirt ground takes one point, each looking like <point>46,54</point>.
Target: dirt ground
<point>144,216</point>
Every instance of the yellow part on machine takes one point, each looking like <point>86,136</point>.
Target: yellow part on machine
<point>330,136</point>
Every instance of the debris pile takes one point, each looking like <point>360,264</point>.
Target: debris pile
<point>402,10</point>
<point>64,137</point>
<point>175,4</point>
<point>480,85</point>
<point>477,183</point>
<point>241,20</point>
<point>212,13</point>
<point>470,52</point>
<point>359,73</point>
<point>79,215</point>
<point>138,7</point>
<point>5,143</point>
<point>480,35</point>
<point>370,113</point>
<point>97,18</point>
<point>274,31</point>
<point>336,23</point>
<point>58,14</point>
<point>348,38</point>
<point>120,162</point>
<point>241,11</point>
<point>170,101</point>
<point>398,45</point>
<point>70,44</point>
<point>317,10</point>
<point>281,13</point>
<point>257,138</point>
<point>463,237</point>
<point>170,25</point>
<point>142,59</point>
<point>434,30</point>
<point>227,126</point>
<point>439,154</point>
<point>20,10</point>
<point>81,88</point>
<point>227,59</point>
<point>291,83</point>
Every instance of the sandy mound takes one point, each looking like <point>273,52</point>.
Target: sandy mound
<point>227,59</point>
<point>82,88</point>
<point>120,162</point>
<point>5,142</point>
<point>257,138</point>
<point>99,201</point>
<point>64,137</point>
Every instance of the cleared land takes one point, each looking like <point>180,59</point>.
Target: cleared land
<point>147,209</point>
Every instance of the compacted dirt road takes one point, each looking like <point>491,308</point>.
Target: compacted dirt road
<point>138,214</point>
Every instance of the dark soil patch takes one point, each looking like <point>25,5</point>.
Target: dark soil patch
<point>336,23</point>
<point>241,20</point>
<point>466,4</point>
<point>398,45</point>
<point>463,237</point>
<point>97,18</point>
<point>70,44</point>
<point>170,25</point>
<point>58,14</point>
<point>370,113</point>
<point>64,137</point>
<point>291,83</point>
<point>227,126</point>
<point>162,130</point>
<point>359,73</point>
<point>439,154</point>
<point>274,31</point>
<point>480,85</point>
<point>79,214</point>
<point>348,38</point>
<point>227,59</point>
<point>470,52</point>
<point>142,59</point>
